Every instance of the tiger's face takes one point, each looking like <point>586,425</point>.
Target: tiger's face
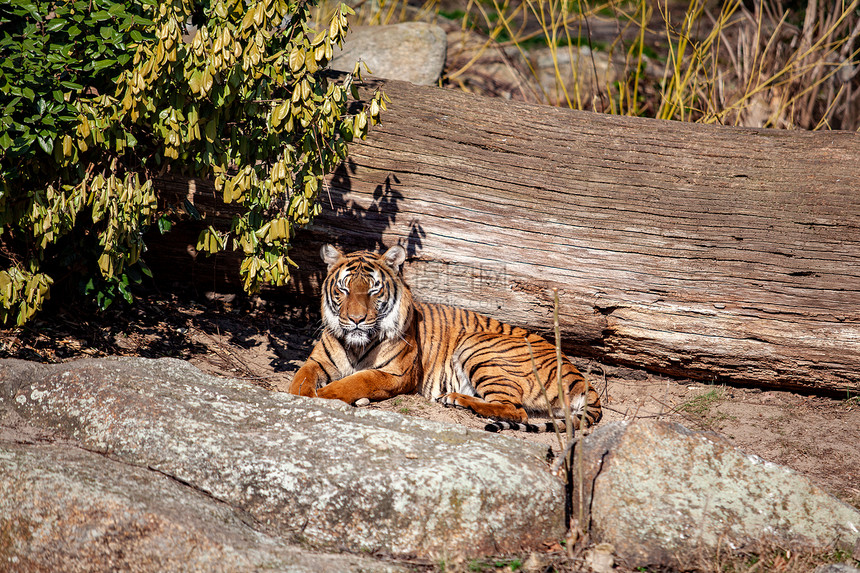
<point>364,298</point>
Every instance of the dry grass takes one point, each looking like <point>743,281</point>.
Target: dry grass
<point>791,65</point>
<point>785,75</point>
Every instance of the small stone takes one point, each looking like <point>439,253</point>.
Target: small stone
<point>362,402</point>
<point>534,564</point>
<point>411,52</point>
<point>601,558</point>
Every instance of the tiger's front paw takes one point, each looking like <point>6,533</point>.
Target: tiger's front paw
<point>452,399</point>
<point>303,388</point>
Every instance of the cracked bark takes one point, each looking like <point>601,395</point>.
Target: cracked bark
<point>723,254</point>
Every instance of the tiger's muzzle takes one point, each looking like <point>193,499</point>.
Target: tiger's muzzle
<point>357,334</point>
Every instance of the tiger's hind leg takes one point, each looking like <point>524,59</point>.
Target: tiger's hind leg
<point>497,381</point>
<point>506,410</point>
<point>491,384</point>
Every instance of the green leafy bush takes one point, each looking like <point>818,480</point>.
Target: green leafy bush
<point>100,97</point>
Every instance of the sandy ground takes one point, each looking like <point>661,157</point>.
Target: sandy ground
<point>265,344</point>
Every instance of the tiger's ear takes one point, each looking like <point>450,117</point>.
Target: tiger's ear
<point>394,257</point>
<point>330,255</point>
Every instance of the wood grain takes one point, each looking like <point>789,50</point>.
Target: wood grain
<point>725,254</point>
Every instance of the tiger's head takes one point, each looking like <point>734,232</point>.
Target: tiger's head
<point>363,296</point>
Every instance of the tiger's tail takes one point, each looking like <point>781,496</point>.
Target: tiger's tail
<point>499,425</point>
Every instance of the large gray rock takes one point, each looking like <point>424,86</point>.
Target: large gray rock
<point>663,494</point>
<point>314,471</point>
<point>66,509</point>
<point>836,568</point>
<point>411,51</point>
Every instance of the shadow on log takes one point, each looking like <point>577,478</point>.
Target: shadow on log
<point>723,254</point>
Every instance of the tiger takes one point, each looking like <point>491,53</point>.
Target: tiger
<point>378,342</point>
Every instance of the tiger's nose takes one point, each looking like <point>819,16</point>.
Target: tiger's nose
<point>356,317</point>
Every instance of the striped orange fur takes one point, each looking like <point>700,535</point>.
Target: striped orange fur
<point>378,342</point>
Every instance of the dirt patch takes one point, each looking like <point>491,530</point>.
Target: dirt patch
<point>265,342</point>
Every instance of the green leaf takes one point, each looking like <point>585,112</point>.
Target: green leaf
<point>164,225</point>
<point>102,64</point>
<point>46,143</point>
<point>144,268</point>
<point>34,11</point>
<point>54,24</point>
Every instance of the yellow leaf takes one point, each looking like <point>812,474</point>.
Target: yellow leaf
<point>228,191</point>
<point>207,80</point>
<point>106,265</point>
<point>195,81</point>
<point>360,122</point>
<point>296,59</point>
<point>250,16</point>
<point>84,128</point>
<point>67,145</point>
<point>319,53</point>
<point>264,230</point>
<point>279,113</point>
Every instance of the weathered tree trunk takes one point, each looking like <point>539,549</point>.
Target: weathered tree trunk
<point>725,254</point>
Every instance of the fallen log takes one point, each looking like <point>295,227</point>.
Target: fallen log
<point>723,254</point>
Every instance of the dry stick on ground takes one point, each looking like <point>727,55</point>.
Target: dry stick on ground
<point>556,465</point>
<point>545,395</point>
<point>580,475</point>
<point>565,399</point>
<point>625,413</point>
<point>568,418</point>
